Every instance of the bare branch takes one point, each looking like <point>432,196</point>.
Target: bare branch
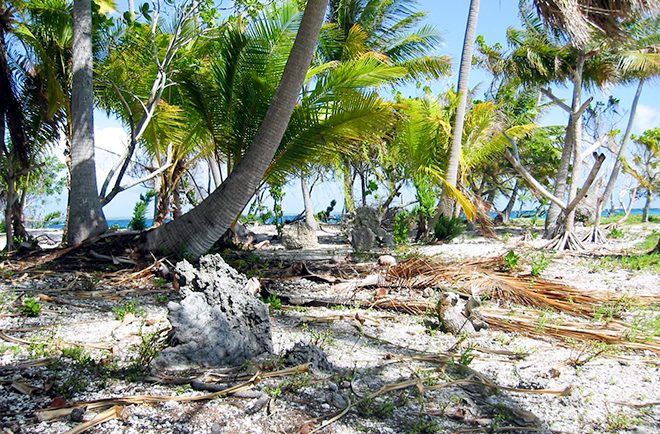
<point>536,186</point>
<point>556,100</point>
<point>587,184</point>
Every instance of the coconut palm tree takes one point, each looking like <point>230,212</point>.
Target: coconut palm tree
<point>195,232</point>
<point>639,60</point>
<point>86,218</point>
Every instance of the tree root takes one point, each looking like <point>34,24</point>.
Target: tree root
<point>596,236</point>
<point>565,241</point>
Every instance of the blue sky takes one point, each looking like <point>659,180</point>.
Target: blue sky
<point>449,17</point>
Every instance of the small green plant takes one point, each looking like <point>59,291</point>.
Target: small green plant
<point>274,392</point>
<point>78,355</point>
<point>6,348</point>
<point>401,231</point>
<point>138,220</point>
<point>273,301</point>
<point>324,216</point>
<point>159,282</point>
<point>162,298</point>
<point>511,260</point>
<point>30,307</point>
<point>616,233</point>
<point>448,228</point>
<point>467,355</point>
<point>506,237</point>
<point>369,407</point>
<point>609,310</point>
<point>424,426</point>
<point>540,264</point>
<point>89,282</point>
<point>131,307</point>
<point>151,343</point>
<point>620,421</point>
<point>114,228</point>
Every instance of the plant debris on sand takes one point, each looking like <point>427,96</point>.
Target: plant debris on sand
<point>356,348</point>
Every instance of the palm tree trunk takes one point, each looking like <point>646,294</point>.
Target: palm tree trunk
<point>349,201</point>
<point>215,170</point>
<point>446,205</point>
<point>647,206</point>
<point>196,231</point>
<point>307,199</point>
<point>619,157</point>
<point>86,216</point>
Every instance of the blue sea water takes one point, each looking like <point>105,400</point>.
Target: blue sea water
<point>123,223</point>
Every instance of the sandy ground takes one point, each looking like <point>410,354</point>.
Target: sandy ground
<point>611,391</point>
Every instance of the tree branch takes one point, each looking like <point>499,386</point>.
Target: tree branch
<point>533,183</point>
<point>587,184</point>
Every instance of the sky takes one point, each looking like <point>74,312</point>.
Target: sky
<point>449,17</point>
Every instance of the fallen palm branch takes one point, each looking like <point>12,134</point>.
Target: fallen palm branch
<point>54,413</point>
<point>522,289</point>
<point>531,324</point>
<point>59,345</point>
<point>114,412</point>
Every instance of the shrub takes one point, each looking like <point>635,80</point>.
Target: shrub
<point>401,228</point>
<point>138,221</point>
<point>539,264</point>
<point>448,228</point>
<point>30,307</point>
<point>510,261</point>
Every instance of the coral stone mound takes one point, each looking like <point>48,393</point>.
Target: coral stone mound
<point>219,322</point>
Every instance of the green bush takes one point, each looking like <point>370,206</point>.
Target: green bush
<point>401,228</point>
<point>448,228</point>
<point>139,221</point>
<point>510,261</point>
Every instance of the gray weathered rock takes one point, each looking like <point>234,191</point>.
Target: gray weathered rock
<point>219,322</point>
<point>366,231</point>
<point>299,235</point>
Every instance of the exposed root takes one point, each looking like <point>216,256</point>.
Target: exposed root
<point>565,241</point>
<point>596,236</point>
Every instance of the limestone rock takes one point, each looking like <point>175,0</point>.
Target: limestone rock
<point>219,321</point>
<point>299,235</point>
<point>366,231</point>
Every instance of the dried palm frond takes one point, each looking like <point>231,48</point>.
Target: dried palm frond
<point>504,287</point>
<point>614,332</point>
<point>579,18</point>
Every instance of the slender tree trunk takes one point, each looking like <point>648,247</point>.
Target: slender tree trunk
<point>573,134</point>
<point>363,188</point>
<point>447,202</point>
<point>647,206</point>
<point>86,216</point>
<point>18,219</point>
<point>196,231</point>
<point>11,197</point>
<point>349,201</point>
<point>506,214</point>
<point>616,169</point>
<point>307,199</point>
<point>215,170</point>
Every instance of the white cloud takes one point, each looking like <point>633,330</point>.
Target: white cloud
<point>110,143</point>
<point>647,117</point>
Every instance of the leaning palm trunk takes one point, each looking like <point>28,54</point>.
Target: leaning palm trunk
<point>196,232</point>
<point>596,235</point>
<point>447,203</point>
<point>86,217</point>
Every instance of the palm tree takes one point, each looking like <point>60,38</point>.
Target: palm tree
<point>451,174</point>
<point>639,60</point>
<point>86,218</point>
<point>195,232</point>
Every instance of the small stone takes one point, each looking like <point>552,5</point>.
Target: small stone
<point>299,235</point>
<point>78,414</point>
<point>386,261</point>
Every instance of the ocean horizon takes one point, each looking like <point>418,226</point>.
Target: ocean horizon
<point>123,222</point>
